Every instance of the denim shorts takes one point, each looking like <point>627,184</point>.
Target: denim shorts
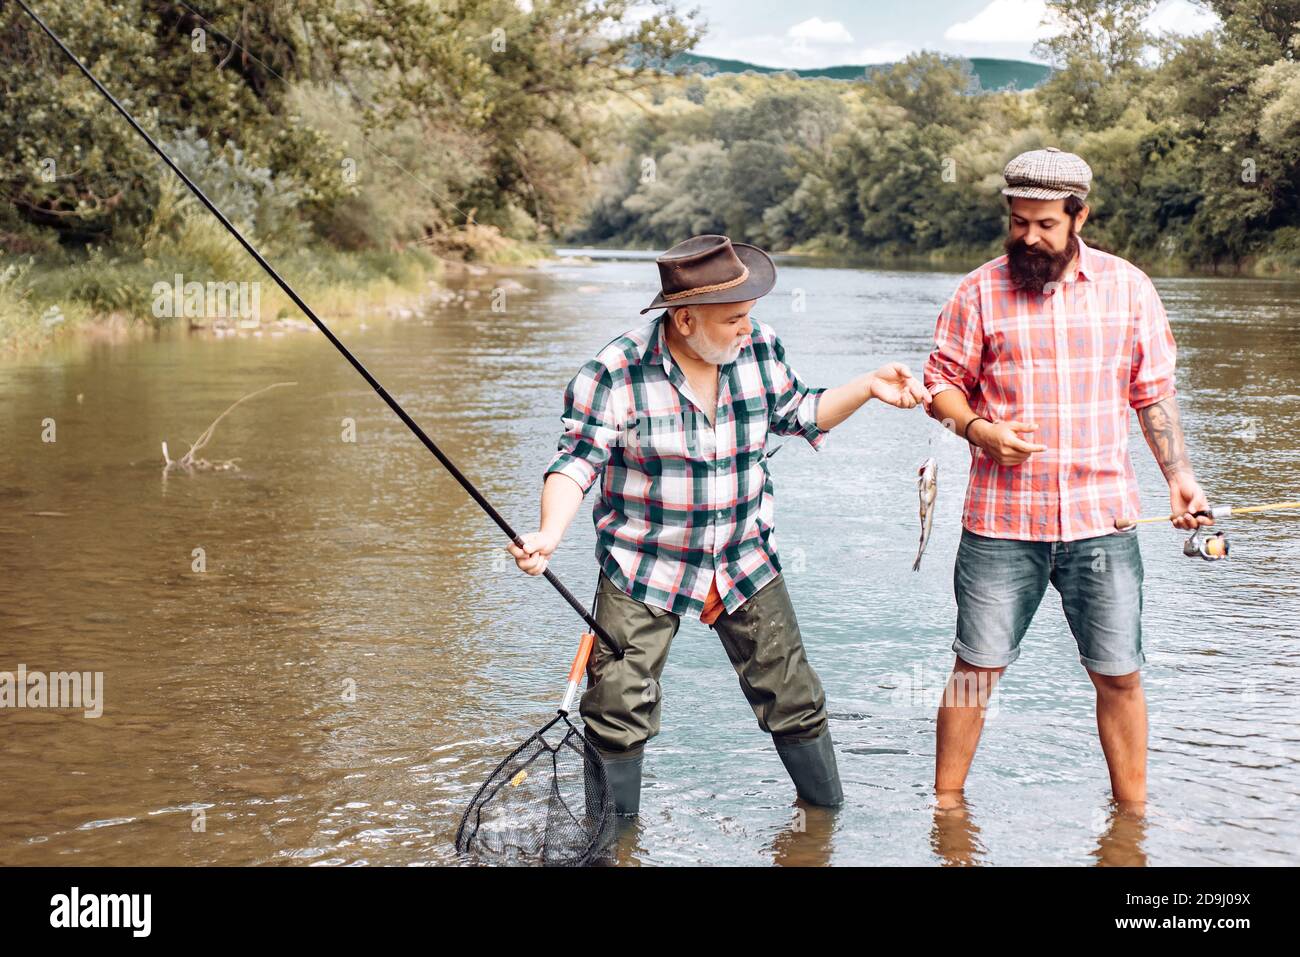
<point>1000,583</point>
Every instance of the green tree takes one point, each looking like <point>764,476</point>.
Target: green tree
<point>511,88</point>
<point>1098,55</point>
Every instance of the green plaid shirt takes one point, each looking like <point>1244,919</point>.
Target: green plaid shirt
<point>682,500</point>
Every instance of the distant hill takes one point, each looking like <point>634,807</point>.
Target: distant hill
<point>992,74</point>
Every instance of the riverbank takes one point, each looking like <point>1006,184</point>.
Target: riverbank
<point>111,297</point>
<point>1281,261</point>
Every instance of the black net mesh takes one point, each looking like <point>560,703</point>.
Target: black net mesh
<point>546,804</point>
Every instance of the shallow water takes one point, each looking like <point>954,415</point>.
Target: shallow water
<point>338,570</point>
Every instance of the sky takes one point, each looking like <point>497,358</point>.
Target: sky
<point>818,33</point>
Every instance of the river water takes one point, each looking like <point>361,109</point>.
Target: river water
<point>359,652</point>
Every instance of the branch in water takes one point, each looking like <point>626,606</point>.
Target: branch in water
<point>188,460</point>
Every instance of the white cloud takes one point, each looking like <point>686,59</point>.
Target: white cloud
<point>1006,21</point>
<point>1003,28</point>
<point>805,45</point>
<point>817,30</point>
<point>1181,17</point>
<point>1024,22</point>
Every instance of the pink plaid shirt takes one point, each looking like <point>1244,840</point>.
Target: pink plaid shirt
<point>1073,361</point>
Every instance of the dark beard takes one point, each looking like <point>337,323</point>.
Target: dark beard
<point>1031,271</point>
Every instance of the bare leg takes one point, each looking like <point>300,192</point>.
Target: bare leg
<point>1122,725</point>
<point>960,721</point>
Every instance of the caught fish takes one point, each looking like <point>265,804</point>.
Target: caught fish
<point>927,486</point>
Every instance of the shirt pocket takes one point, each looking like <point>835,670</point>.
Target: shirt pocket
<point>751,422</point>
<point>657,437</point>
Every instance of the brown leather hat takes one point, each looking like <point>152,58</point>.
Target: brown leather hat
<point>712,269</point>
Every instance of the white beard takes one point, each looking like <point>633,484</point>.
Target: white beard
<point>719,357</point>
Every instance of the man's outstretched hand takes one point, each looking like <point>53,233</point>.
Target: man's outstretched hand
<point>894,385</point>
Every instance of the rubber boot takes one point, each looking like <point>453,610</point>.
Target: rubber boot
<point>623,771</point>
<point>624,774</point>
<point>811,765</point>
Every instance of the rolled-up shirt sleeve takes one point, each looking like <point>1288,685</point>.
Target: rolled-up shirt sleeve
<point>794,411</point>
<point>954,363</point>
<point>1155,355</point>
<point>589,426</point>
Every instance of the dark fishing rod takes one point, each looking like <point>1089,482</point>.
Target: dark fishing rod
<point>410,423</point>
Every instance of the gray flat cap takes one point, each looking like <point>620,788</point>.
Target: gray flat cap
<point>1047,174</point>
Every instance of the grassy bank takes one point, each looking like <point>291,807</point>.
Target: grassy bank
<point>111,294</point>
<point>43,300</point>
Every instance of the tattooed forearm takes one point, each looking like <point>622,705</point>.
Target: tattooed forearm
<point>1164,433</point>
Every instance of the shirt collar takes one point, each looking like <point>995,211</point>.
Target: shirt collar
<point>658,353</point>
<point>656,350</point>
<point>1087,268</point>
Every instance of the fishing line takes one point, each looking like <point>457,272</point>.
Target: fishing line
<point>392,403</point>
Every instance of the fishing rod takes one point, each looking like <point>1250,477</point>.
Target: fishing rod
<point>1214,547</point>
<point>1218,512</point>
<point>307,310</point>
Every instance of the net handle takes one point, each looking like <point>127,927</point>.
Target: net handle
<point>577,669</point>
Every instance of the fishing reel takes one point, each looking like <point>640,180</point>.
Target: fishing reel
<point>1212,548</point>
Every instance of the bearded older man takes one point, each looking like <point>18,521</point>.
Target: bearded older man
<point>673,419</point>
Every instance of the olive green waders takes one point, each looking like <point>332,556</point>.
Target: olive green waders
<point>622,703</point>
